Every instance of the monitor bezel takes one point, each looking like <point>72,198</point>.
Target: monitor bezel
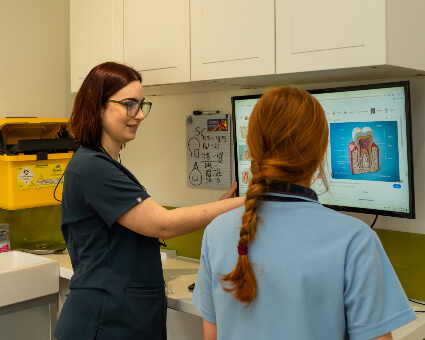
<point>235,138</point>
<point>406,85</point>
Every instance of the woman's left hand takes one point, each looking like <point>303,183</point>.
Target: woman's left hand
<point>230,193</point>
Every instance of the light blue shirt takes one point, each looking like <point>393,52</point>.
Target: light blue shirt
<point>321,275</point>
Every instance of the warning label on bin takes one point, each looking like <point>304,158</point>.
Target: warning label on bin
<point>26,175</point>
<point>38,176</point>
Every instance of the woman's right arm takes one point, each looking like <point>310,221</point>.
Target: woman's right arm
<point>151,219</point>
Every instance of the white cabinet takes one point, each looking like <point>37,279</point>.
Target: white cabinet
<point>157,40</point>
<point>96,36</point>
<point>34,319</point>
<point>314,35</point>
<point>232,38</point>
<point>150,35</point>
<point>182,41</point>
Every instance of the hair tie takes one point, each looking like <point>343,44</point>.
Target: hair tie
<point>242,250</point>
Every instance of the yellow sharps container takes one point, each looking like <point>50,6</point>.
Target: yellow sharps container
<point>34,153</point>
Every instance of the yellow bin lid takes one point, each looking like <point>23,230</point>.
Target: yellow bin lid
<point>14,129</point>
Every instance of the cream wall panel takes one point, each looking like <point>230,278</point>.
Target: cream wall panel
<point>157,39</point>
<point>215,29</point>
<point>309,31</point>
<point>231,38</point>
<point>243,15</point>
<point>345,23</point>
<point>96,36</point>
<point>34,58</point>
<point>331,34</point>
<point>405,46</point>
<point>139,50</point>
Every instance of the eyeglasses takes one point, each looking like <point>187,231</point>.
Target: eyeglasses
<point>133,107</point>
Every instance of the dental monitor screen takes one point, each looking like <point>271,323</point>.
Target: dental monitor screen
<point>368,164</point>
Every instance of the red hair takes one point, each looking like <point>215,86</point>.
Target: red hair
<point>287,139</point>
<point>101,83</point>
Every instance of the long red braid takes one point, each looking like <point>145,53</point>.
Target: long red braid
<point>287,139</point>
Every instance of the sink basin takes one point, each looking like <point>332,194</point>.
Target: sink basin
<point>26,276</point>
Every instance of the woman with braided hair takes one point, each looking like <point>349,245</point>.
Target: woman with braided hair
<point>300,270</point>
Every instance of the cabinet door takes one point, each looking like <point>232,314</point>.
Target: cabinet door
<point>329,34</point>
<point>96,36</point>
<point>157,40</point>
<point>232,38</point>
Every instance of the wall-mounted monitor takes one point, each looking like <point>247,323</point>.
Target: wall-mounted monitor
<point>369,165</point>
<point>242,108</point>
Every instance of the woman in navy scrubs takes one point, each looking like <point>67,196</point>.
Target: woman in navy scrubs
<point>110,223</point>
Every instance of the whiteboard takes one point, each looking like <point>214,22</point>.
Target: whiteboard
<point>208,149</point>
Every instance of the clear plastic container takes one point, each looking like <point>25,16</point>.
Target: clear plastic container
<point>4,238</point>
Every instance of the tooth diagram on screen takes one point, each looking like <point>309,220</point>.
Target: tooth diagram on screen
<point>363,152</point>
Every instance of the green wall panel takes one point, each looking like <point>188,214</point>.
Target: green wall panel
<point>406,251</point>
<point>187,245</point>
<point>40,224</point>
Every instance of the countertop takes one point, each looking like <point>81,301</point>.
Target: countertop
<point>180,272</point>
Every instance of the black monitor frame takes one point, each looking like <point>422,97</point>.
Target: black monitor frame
<point>405,84</point>
<point>235,138</point>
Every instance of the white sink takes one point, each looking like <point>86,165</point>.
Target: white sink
<point>26,276</point>
<point>168,254</point>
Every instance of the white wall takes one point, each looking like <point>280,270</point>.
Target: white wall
<point>34,58</point>
<point>157,157</point>
<point>35,81</point>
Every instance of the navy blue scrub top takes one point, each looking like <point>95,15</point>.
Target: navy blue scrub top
<point>117,290</point>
